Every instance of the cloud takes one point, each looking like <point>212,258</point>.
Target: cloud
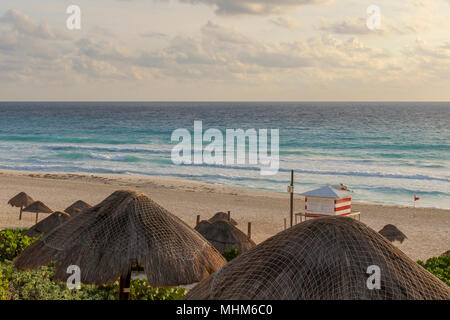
<point>102,49</point>
<point>254,7</point>
<point>218,55</point>
<point>97,69</point>
<point>152,34</point>
<point>346,26</point>
<point>285,22</point>
<point>225,55</point>
<point>8,41</point>
<point>22,23</point>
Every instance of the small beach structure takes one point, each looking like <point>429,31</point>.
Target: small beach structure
<point>77,207</point>
<point>38,207</point>
<point>328,258</point>
<point>328,201</point>
<point>392,233</point>
<point>224,217</point>
<point>224,236</point>
<point>21,201</point>
<point>125,230</point>
<point>54,220</point>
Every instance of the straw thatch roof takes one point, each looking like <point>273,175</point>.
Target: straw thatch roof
<point>392,233</point>
<point>38,206</point>
<point>126,228</point>
<point>222,216</point>
<point>21,200</point>
<point>77,207</point>
<point>56,219</point>
<point>224,236</point>
<point>321,259</point>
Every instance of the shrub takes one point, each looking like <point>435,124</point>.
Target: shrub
<point>3,286</point>
<point>12,243</point>
<point>140,290</point>
<point>40,285</point>
<point>439,266</point>
<point>231,254</point>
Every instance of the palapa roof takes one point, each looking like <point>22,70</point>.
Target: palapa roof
<point>222,216</point>
<point>224,236</point>
<point>77,207</point>
<point>392,233</point>
<point>54,220</point>
<point>126,228</point>
<point>21,200</point>
<point>334,192</point>
<point>38,206</point>
<point>322,259</point>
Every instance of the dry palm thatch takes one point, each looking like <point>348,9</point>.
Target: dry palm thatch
<point>38,207</point>
<point>77,207</point>
<point>21,200</point>
<point>222,216</point>
<point>224,236</point>
<point>392,233</point>
<point>56,219</point>
<point>325,258</point>
<point>127,228</point>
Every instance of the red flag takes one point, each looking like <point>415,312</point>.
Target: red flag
<point>416,198</point>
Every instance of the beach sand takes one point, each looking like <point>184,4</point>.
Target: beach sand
<point>428,230</point>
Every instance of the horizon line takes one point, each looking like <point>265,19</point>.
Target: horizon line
<point>227,101</point>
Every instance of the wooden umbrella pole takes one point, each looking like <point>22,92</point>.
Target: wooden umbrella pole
<point>125,282</point>
<point>291,202</point>
<point>37,217</point>
<point>20,214</point>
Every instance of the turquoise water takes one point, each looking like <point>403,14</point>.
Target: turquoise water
<point>385,152</point>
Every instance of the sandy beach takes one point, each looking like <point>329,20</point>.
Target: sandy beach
<point>428,230</point>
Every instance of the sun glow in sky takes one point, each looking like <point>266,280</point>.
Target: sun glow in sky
<point>225,50</point>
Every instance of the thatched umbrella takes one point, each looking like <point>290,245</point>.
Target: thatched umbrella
<point>77,207</point>
<point>54,220</point>
<point>37,207</point>
<point>224,236</point>
<point>21,200</point>
<point>222,216</point>
<point>392,233</point>
<point>126,229</point>
<point>321,259</point>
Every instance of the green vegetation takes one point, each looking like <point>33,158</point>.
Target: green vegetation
<point>40,284</point>
<point>140,290</point>
<point>231,254</point>
<point>439,266</point>
<point>3,286</point>
<point>12,242</point>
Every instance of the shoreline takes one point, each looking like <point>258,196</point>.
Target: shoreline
<point>131,177</point>
<point>427,229</point>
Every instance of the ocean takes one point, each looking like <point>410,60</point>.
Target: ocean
<point>384,152</point>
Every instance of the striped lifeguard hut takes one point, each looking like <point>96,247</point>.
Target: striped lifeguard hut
<point>328,201</point>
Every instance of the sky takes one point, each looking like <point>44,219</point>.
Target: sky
<point>225,50</point>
